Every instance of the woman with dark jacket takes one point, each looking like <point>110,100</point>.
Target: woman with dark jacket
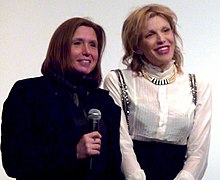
<point>46,132</point>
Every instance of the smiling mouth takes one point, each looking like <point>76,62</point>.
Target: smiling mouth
<point>84,61</point>
<point>163,50</point>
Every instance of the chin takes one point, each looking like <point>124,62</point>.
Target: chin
<point>83,70</point>
<point>165,59</point>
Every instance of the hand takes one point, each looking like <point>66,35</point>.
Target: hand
<point>89,144</point>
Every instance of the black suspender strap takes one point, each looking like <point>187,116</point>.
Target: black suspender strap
<point>124,95</point>
<point>193,86</point>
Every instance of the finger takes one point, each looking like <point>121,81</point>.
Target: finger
<point>90,138</point>
<point>95,146</point>
<point>94,152</point>
<point>95,134</point>
<point>96,141</point>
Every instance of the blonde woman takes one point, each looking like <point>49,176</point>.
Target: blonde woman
<point>167,131</point>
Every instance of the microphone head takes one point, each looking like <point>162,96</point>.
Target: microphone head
<point>94,114</point>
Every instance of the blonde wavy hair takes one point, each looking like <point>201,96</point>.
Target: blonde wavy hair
<point>131,33</point>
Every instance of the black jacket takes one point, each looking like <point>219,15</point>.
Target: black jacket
<point>43,119</point>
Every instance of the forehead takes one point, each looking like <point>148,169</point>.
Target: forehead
<point>84,32</point>
<point>155,22</point>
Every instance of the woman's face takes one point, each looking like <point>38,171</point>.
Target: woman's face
<point>157,42</point>
<point>84,50</point>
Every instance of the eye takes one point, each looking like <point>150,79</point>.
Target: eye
<point>148,35</point>
<point>93,44</point>
<point>166,29</point>
<point>76,43</point>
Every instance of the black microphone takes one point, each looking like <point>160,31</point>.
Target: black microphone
<point>94,116</point>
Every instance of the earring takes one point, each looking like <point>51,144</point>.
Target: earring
<point>175,63</point>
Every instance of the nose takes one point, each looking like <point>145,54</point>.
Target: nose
<point>86,50</point>
<point>160,39</point>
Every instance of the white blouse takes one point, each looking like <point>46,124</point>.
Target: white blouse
<point>164,113</point>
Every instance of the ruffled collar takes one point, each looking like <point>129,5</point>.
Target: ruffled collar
<point>156,71</point>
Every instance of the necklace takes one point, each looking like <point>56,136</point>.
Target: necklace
<point>160,81</point>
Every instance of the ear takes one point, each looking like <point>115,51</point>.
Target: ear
<point>137,50</point>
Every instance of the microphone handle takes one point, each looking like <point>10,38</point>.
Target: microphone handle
<point>95,125</point>
<point>90,163</point>
<point>94,128</point>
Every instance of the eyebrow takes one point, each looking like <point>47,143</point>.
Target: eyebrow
<point>152,30</point>
<point>81,39</point>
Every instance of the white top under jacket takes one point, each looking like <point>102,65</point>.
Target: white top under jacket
<point>164,113</point>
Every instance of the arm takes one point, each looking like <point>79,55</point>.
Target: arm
<point>199,139</point>
<point>130,167</point>
<point>29,146</point>
<point>112,122</point>
<point>16,140</point>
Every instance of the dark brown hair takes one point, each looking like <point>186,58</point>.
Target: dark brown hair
<point>131,33</point>
<point>58,54</point>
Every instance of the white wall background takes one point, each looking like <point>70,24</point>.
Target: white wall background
<point>27,26</point>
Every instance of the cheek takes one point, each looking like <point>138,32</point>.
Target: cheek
<point>95,56</point>
<point>173,43</point>
<point>172,39</point>
<point>73,55</point>
<point>146,49</point>
<point>146,45</point>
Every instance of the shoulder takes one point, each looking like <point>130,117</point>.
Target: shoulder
<point>102,92</point>
<point>201,80</point>
<point>29,85</point>
<point>24,83</point>
<point>113,74</point>
<point>109,109</point>
<point>106,100</point>
<point>29,82</point>
<point>203,84</point>
<point>112,77</point>
<point>104,96</point>
<point>24,91</point>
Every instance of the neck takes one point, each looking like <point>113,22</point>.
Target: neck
<point>153,74</point>
<point>161,67</point>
